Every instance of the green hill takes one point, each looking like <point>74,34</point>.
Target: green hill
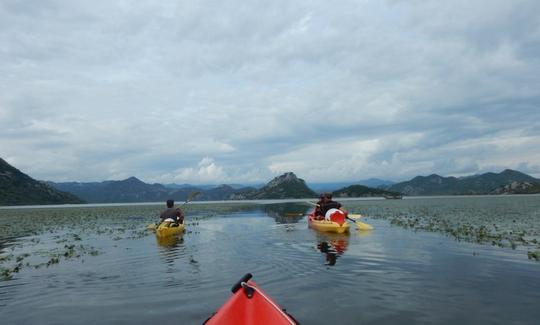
<point>286,186</point>
<point>363,191</point>
<point>17,188</point>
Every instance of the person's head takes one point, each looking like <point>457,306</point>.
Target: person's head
<point>328,196</point>
<point>170,203</point>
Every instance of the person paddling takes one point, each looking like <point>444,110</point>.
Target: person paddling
<point>328,204</point>
<point>332,211</point>
<point>172,214</point>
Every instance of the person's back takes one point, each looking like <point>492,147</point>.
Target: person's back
<point>172,213</point>
<point>169,213</point>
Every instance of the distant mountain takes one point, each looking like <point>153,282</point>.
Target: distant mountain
<point>129,190</point>
<point>135,190</point>
<point>17,188</point>
<point>222,192</point>
<point>363,191</point>
<point>330,187</point>
<point>182,186</point>
<point>289,186</point>
<point>477,184</point>
<point>376,182</point>
<point>286,186</point>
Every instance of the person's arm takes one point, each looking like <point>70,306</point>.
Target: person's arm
<point>322,209</point>
<point>180,215</point>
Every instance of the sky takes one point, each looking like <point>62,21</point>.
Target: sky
<point>211,92</point>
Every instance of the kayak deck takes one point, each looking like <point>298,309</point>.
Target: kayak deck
<point>248,305</point>
<point>165,230</point>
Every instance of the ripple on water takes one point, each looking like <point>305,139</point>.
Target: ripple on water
<point>390,275</point>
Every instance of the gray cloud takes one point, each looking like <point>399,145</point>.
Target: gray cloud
<point>214,91</point>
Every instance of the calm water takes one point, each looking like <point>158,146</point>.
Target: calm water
<point>89,265</point>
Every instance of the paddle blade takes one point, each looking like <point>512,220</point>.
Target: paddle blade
<point>363,226</point>
<point>355,216</point>
<point>151,226</point>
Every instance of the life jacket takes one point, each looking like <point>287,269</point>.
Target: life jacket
<point>335,215</point>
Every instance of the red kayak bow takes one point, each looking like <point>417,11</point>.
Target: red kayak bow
<point>249,304</point>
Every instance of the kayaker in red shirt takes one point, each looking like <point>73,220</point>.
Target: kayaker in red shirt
<point>175,214</point>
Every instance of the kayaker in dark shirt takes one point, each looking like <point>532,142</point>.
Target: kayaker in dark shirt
<point>173,213</point>
<point>328,204</point>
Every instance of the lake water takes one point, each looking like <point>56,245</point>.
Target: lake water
<point>90,265</point>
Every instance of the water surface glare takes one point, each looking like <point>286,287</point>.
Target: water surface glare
<point>89,265</point>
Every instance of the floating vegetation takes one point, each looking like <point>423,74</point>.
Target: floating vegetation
<point>43,237</point>
<point>22,257</point>
<point>53,260</point>
<point>5,274</point>
<point>511,222</point>
<point>534,255</point>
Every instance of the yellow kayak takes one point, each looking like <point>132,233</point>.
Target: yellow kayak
<point>327,225</point>
<point>168,229</point>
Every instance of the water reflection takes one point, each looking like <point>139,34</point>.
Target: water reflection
<point>286,212</point>
<point>170,250</point>
<point>333,246</point>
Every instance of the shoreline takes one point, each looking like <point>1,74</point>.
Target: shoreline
<point>265,201</point>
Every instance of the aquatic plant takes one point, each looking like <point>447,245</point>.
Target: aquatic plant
<point>504,222</point>
<point>534,255</point>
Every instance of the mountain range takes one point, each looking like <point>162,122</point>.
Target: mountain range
<point>134,190</point>
<point>17,188</point>
<point>488,183</point>
<point>286,186</point>
<point>290,186</point>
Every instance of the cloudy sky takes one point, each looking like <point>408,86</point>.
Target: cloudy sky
<point>241,91</point>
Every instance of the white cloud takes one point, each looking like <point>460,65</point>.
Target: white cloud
<point>104,90</point>
<point>207,171</point>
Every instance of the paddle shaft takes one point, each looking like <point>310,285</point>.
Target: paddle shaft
<point>190,198</point>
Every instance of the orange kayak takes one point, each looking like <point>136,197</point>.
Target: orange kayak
<point>248,305</point>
